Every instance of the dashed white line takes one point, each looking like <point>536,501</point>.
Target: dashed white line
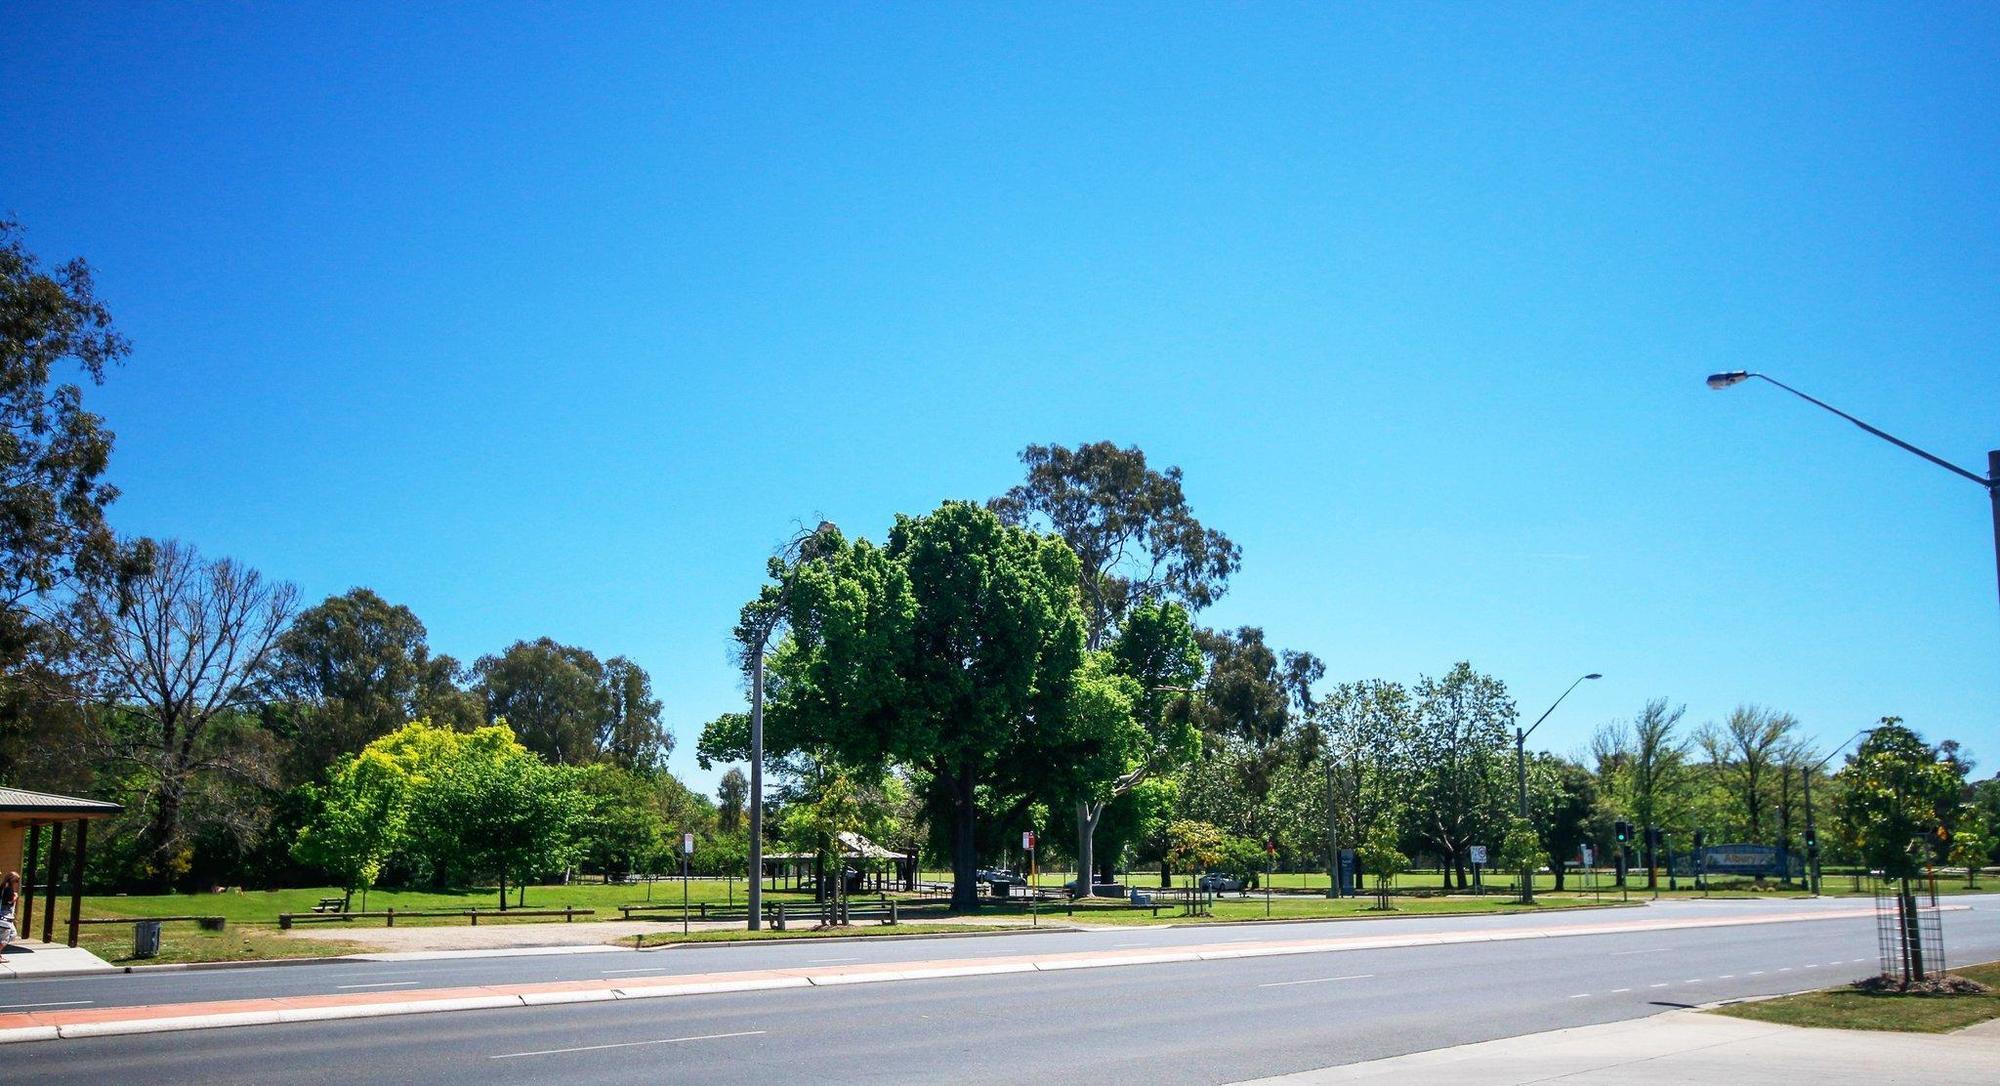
<point>1694,980</point>
<point>1581,995</point>
<point>1784,969</point>
<point>829,961</point>
<point>1727,976</point>
<point>1662,984</point>
<point>1315,980</point>
<point>1756,972</point>
<point>379,984</point>
<point>1616,991</point>
<point>627,1044</point>
<point>25,1006</point>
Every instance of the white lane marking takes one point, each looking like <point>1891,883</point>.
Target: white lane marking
<point>1315,980</point>
<point>628,1044</point>
<point>1756,972</point>
<point>1654,950</point>
<point>1784,969</point>
<point>1727,976</point>
<point>1581,995</point>
<point>1662,984</point>
<point>25,1006</point>
<point>379,973</point>
<point>1814,965</point>
<point>382,984</point>
<point>616,972</point>
<point>1696,980</point>
<point>828,961</point>
<point>1616,991</point>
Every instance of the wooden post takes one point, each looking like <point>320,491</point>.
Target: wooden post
<point>28,881</point>
<point>55,870</point>
<point>76,880</point>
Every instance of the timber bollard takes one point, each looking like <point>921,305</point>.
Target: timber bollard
<point>892,913</point>
<point>392,916</point>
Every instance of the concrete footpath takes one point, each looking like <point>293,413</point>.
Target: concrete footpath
<point>1687,1046</point>
<point>67,1022</point>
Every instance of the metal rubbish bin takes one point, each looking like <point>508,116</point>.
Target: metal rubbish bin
<point>146,939</point>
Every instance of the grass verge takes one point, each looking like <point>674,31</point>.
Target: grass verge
<point>187,943</point>
<point>1849,1008</point>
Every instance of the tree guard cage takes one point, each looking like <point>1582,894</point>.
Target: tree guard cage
<point>1909,935</point>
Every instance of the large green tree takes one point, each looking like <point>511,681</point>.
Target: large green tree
<point>1644,765</point>
<point>355,667</point>
<point>1747,754</point>
<point>569,707</point>
<point>1133,533</point>
<point>1460,764</point>
<point>954,650</point>
<point>54,540</point>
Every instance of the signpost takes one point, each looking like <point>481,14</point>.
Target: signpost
<point>1478,857</point>
<point>1028,843</point>
<point>687,850</point>
<point>1270,868</point>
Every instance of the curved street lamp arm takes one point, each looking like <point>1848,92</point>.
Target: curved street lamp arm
<point>1523,737</point>
<point>1892,439</point>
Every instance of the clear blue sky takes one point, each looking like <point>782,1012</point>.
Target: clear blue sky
<point>554,321</point>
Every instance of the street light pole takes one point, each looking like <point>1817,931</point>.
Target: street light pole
<point>1812,830</point>
<point>1521,779</point>
<point>758,633</point>
<point>757,784</point>
<point>1991,480</point>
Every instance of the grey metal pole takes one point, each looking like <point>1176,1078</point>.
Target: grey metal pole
<point>1812,836</point>
<point>1521,782</point>
<point>1332,835</point>
<point>757,785</point>
<point>1993,492</point>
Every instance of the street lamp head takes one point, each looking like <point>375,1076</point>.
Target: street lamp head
<point>1724,380</point>
<point>1593,675</point>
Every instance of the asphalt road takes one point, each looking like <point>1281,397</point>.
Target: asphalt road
<point>1198,1022</point>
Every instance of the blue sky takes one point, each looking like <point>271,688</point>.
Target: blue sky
<point>554,320</point>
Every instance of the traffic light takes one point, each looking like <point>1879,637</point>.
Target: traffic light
<point>1623,831</point>
<point>1812,840</point>
<point>1699,837</point>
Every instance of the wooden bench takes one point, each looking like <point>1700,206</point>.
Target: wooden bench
<point>331,905</point>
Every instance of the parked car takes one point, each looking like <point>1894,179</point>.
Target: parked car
<point>998,877</point>
<point>1216,881</point>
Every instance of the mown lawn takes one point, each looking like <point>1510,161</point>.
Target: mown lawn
<point>184,942</point>
<point>1846,1008</point>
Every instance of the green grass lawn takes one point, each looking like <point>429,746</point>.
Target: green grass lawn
<point>1845,1008</point>
<point>184,942</point>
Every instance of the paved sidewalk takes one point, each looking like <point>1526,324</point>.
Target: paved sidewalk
<point>28,958</point>
<point>1681,1047</point>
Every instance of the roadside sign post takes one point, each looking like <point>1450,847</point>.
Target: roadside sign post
<point>1478,858</point>
<point>1270,869</point>
<point>687,850</point>
<point>1028,844</point>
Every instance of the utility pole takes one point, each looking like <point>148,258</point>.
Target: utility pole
<point>1332,835</point>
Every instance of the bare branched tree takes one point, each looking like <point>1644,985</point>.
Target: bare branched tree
<point>177,653</point>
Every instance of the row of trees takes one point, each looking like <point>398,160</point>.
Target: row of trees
<point>1035,661</point>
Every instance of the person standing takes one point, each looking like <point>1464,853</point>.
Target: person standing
<point>10,893</point>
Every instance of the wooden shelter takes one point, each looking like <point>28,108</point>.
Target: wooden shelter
<point>885,868</point>
<point>23,815</point>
